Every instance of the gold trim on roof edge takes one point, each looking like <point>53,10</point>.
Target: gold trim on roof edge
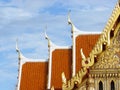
<point>77,79</point>
<point>98,48</point>
<point>103,40</point>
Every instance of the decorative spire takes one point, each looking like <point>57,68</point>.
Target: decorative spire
<point>63,78</point>
<point>74,30</point>
<point>73,47</point>
<point>70,22</point>
<point>47,38</point>
<point>18,50</point>
<point>49,61</point>
<point>19,64</point>
<point>20,55</point>
<point>50,43</point>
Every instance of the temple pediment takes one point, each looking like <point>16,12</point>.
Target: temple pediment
<point>110,58</point>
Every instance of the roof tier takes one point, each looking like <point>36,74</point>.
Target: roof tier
<point>61,62</point>
<point>34,76</point>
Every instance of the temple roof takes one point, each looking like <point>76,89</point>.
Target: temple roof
<point>61,62</point>
<point>34,73</point>
<point>34,76</point>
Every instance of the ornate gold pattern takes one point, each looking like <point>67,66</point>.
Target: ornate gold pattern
<point>74,80</point>
<point>104,40</point>
<point>110,57</point>
<point>63,78</point>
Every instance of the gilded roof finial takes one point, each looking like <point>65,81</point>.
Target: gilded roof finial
<point>46,37</point>
<point>69,20</point>
<point>17,49</point>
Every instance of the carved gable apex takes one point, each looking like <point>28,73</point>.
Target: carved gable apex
<point>110,57</point>
<point>104,41</point>
<point>106,44</point>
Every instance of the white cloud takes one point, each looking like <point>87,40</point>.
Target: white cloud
<point>6,74</point>
<point>8,80</point>
<point>101,9</point>
<point>29,5</point>
<point>22,23</point>
<point>11,13</point>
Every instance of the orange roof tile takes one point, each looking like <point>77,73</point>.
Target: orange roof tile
<point>34,76</point>
<point>61,62</point>
<point>86,42</point>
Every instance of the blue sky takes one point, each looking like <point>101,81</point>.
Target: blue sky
<point>26,20</point>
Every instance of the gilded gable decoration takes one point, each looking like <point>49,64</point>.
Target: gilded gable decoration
<point>104,46</point>
<point>104,38</point>
<point>76,80</point>
<point>110,57</point>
